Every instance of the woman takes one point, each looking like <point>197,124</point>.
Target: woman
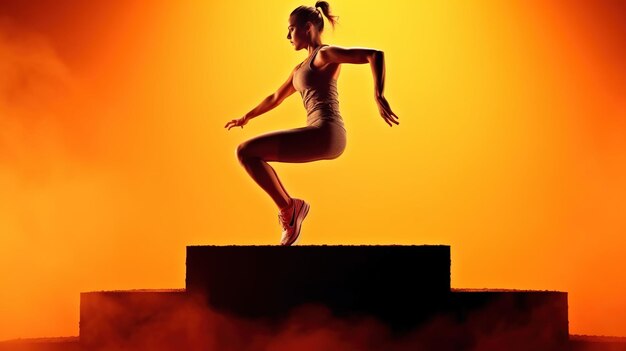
<point>324,137</point>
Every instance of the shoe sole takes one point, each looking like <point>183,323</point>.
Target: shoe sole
<point>299,218</point>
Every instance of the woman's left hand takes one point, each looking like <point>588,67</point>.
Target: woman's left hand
<point>385,111</point>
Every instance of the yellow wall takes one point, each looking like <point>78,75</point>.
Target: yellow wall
<point>113,155</point>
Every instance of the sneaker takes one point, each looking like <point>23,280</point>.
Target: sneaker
<point>291,219</point>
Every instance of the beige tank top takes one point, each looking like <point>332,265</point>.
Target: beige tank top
<point>319,92</point>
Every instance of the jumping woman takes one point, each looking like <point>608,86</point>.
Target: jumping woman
<point>324,137</point>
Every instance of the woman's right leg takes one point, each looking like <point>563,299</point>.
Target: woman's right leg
<point>305,144</point>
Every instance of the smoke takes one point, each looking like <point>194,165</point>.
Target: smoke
<point>178,321</point>
<point>187,323</point>
<point>45,142</point>
<point>32,75</point>
<point>40,105</point>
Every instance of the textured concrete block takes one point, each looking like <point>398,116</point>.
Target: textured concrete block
<point>493,319</point>
<point>401,285</point>
<point>260,289</point>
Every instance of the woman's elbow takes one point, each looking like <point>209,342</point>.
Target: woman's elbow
<point>376,55</point>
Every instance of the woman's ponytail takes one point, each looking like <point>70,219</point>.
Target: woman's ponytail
<point>325,9</point>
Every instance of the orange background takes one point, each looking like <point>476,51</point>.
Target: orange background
<point>113,155</point>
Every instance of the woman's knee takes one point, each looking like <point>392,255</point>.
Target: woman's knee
<point>265,147</point>
<point>251,149</point>
<point>243,152</point>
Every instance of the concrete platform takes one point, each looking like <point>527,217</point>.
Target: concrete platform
<point>401,285</point>
<point>491,317</point>
<point>233,292</point>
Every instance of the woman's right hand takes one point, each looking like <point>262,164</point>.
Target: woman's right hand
<point>237,123</point>
<point>385,110</point>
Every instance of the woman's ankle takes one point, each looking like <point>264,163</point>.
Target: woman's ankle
<point>288,205</point>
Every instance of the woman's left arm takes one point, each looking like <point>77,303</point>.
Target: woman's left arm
<point>376,59</point>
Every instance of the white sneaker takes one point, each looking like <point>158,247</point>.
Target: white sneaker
<point>291,219</point>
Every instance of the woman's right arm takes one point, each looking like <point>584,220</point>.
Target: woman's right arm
<point>270,102</point>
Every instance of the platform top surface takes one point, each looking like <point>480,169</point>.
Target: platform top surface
<point>490,290</point>
<point>302,246</point>
<point>178,290</point>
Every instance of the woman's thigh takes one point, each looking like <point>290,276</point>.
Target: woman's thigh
<point>305,144</point>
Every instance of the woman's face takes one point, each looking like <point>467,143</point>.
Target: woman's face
<point>296,34</point>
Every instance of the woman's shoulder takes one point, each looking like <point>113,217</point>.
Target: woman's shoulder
<point>327,48</point>
<point>324,49</point>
